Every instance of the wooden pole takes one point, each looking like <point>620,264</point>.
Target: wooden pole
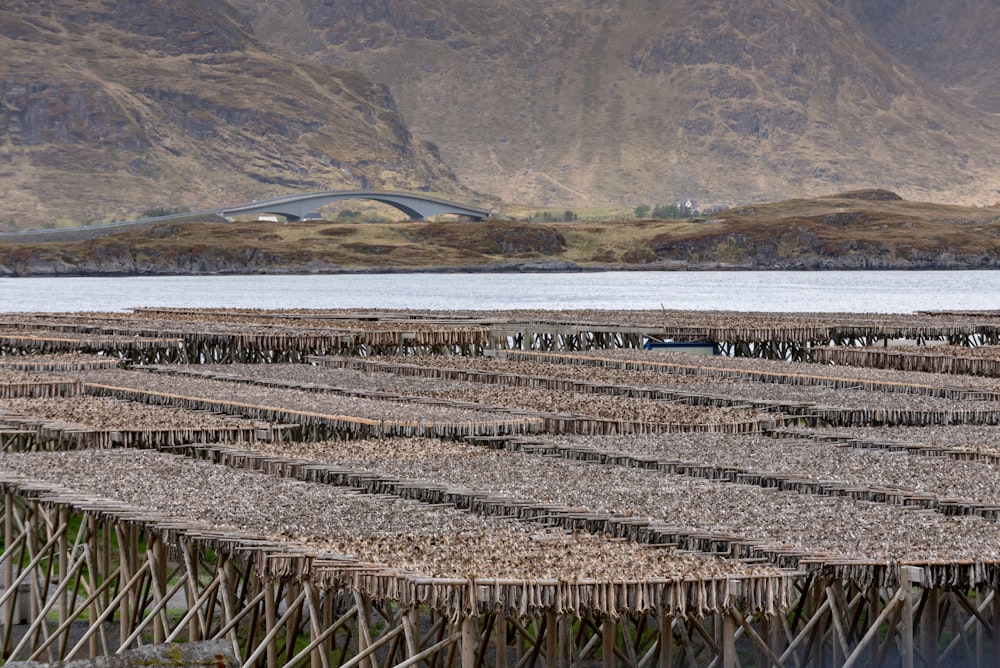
<point>469,644</point>
<point>159,583</point>
<point>411,629</point>
<point>551,640</point>
<point>270,616</point>
<point>565,641</point>
<point>666,654</point>
<point>500,642</point>
<point>8,569</point>
<point>63,570</point>
<point>908,576</point>
<point>364,634</point>
<point>930,628</point>
<point>996,628</point>
<point>729,658</point>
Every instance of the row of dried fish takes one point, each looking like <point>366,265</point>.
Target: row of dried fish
<point>962,441</point>
<point>837,465</point>
<point>57,362</point>
<point>719,325</point>
<point>780,523</point>
<point>736,390</point>
<point>15,383</point>
<point>318,414</point>
<point>485,395</point>
<point>779,369</point>
<point>374,529</point>
<point>651,318</point>
<point>14,376</point>
<point>925,360</point>
<point>46,342</point>
<point>181,325</point>
<point>110,414</point>
<point>298,400</point>
<point>979,352</point>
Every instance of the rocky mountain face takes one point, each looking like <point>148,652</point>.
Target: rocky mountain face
<point>951,42</point>
<point>576,102</point>
<point>109,108</point>
<point>112,107</point>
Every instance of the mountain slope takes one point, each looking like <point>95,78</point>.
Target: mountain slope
<point>112,107</point>
<point>572,102</point>
<point>952,42</point>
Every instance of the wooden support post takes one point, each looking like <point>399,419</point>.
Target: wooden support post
<point>728,645</point>
<point>8,569</point>
<point>364,619</point>
<point>32,526</point>
<point>908,577</point>
<point>63,570</point>
<point>565,641</point>
<point>329,605</point>
<point>981,642</point>
<point>159,577</point>
<point>551,640</point>
<point>500,642</point>
<point>819,633</point>
<point>293,625</point>
<point>608,639</point>
<point>775,636</point>
<point>469,642</point>
<point>930,628</point>
<point>666,653</point>
<point>270,618</point>
<point>191,591</point>
<point>874,613</point>
<point>411,630</point>
<point>996,628</point>
<point>230,583</point>
<point>126,561</point>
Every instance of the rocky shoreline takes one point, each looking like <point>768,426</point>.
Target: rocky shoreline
<point>847,263</point>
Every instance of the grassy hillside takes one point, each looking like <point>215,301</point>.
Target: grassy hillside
<point>869,229</point>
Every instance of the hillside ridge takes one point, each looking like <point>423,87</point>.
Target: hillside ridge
<point>869,229</point>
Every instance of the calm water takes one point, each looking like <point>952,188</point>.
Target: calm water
<point>883,292</point>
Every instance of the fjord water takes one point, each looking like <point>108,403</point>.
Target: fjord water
<point>828,291</point>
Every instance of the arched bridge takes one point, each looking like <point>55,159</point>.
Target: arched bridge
<point>293,207</point>
<point>297,207</point>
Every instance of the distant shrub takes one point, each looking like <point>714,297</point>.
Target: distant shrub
<point>665,211</point>
<point>158,211</point>
<point>549,217</point>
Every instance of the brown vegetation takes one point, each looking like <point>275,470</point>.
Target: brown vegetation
<point>853,230</point>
